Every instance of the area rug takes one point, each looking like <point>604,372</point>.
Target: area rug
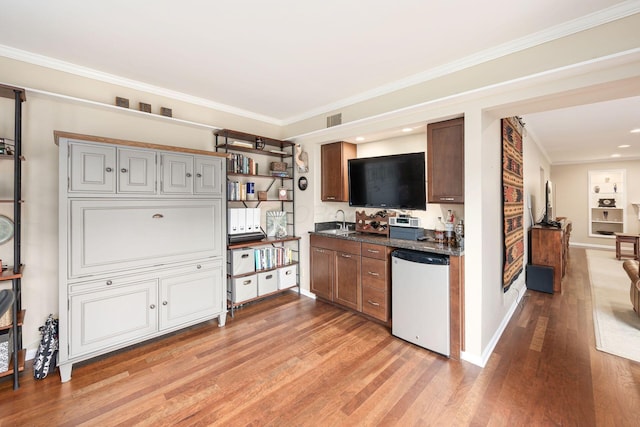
<point>617,326</point>
<point>512,201</point>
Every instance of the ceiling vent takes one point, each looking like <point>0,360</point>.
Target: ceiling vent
<point>334,120</point>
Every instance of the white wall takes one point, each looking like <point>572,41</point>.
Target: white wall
<point>572,198</point>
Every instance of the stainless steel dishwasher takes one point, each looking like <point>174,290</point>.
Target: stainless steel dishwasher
<point>420,299</point>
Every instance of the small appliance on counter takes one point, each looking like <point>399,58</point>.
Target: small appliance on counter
<point>406,233</point>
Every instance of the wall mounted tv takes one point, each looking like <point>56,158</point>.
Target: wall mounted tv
<point>389,182</point>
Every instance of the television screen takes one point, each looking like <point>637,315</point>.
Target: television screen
<point>396,182</point>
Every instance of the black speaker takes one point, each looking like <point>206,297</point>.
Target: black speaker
<point>539,278</point>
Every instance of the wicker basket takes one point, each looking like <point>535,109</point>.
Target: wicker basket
<point>7,318</point>
<point>279,166</point>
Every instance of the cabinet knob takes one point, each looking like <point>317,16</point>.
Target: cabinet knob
<point>109,282</point>
<point>165,302</point>
<point>123,170</point>
<point>188,175</point>
<point>375,304</point>
<point>152,306</point>
<point>109,169</point>
<point>199,175</point>
<point>198,266</point>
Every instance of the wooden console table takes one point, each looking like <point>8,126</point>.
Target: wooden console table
<point>550,247</point>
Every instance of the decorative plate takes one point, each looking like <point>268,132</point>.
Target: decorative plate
<point>6,229</point>
<point>606,203</point>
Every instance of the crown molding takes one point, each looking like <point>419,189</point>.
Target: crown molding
<point>67,67</point>
<point>586,22</point>
<point>619,11</point>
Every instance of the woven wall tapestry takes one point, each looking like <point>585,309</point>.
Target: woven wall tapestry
<point>512,201</point>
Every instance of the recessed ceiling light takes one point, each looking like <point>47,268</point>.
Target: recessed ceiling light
<point>407,129</point>
<point>624,146</point>
<point>637,130</point>
<point>360,138</point>
<point>615,155</point>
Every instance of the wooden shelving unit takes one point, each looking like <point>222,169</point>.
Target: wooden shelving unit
<point>265,150</point>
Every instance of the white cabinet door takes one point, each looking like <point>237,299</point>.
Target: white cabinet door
<point>92,168</point>
<point>115,235</point>
<point>136,171</point>
<point>177,174</point>
<point>110,317</point>
<point>208,175</point>
<point>189,297</point>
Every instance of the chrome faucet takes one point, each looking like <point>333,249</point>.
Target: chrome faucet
<point>342,226</point>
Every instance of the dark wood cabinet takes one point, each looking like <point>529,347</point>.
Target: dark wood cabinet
<point>322,267</point>
<point>335,180</point>
<point>376,281</point>
<point>445,161</point>
<point>335,271</point>
<point>348,287</point>
<point>550,247</point>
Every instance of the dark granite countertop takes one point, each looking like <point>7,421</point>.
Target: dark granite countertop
<point>423,246</point>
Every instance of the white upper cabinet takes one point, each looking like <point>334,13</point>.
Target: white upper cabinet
<point>177,173</point>
<point>93,168</point>
<point>208,175</point>
<point>136,171</point>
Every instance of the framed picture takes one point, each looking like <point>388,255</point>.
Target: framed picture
<point>276,224</point>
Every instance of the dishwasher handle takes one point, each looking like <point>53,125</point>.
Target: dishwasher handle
<point>421,257</point>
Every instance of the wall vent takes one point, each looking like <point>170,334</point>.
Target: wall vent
<point>334,120</point>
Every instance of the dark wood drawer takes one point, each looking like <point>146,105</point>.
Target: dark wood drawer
<point>375,251</point>
<point>375,303</point>
<point>374,273</point>
<point>340,245</point>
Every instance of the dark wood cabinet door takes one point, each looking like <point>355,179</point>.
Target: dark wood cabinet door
<point>322,270</point>
<point>334,161</point>
<point>445,161</point>
<point>348,288</point>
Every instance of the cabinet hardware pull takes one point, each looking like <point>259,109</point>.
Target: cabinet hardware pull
<point>373,251</point>
<point>157,216</point>
<point>446,198</point>
<point>270,276</point>
<point>373,273</point>
<point>152,306</point>
<point>198,266</point>
<point>123,170</point>
<point>345,255</point>
<point>331,197</point>
<point>109,282</point>
<point>288,272</point>
<point>188,175</point>
<point>199,175</point>
<point>244,256</point>
<point>165,302</point>
<point>246,282</point>
<point>109,170</point>
<point>377,304</point>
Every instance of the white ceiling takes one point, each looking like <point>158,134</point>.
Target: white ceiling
<point>285,60</point>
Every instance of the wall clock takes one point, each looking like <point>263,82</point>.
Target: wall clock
<point>6,229</point>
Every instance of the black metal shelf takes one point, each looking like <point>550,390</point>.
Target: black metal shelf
<point>18,353</point>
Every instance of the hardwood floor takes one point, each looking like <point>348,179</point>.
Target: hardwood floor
<point>293,361</point>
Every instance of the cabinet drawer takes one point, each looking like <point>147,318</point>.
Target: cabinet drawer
<point>375,303</point>
<point>267,282</point>
<point>340,245</point>
<point>241,289</point>
<point>241,261</point>
<point>374,273</point>
<point>375,251</point>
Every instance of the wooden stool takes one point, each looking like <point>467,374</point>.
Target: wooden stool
<point>631,239</point>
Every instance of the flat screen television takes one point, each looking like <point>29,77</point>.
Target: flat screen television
<point>389,182</point>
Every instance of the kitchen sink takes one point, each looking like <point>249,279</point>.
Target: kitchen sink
<point>337,232</point>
